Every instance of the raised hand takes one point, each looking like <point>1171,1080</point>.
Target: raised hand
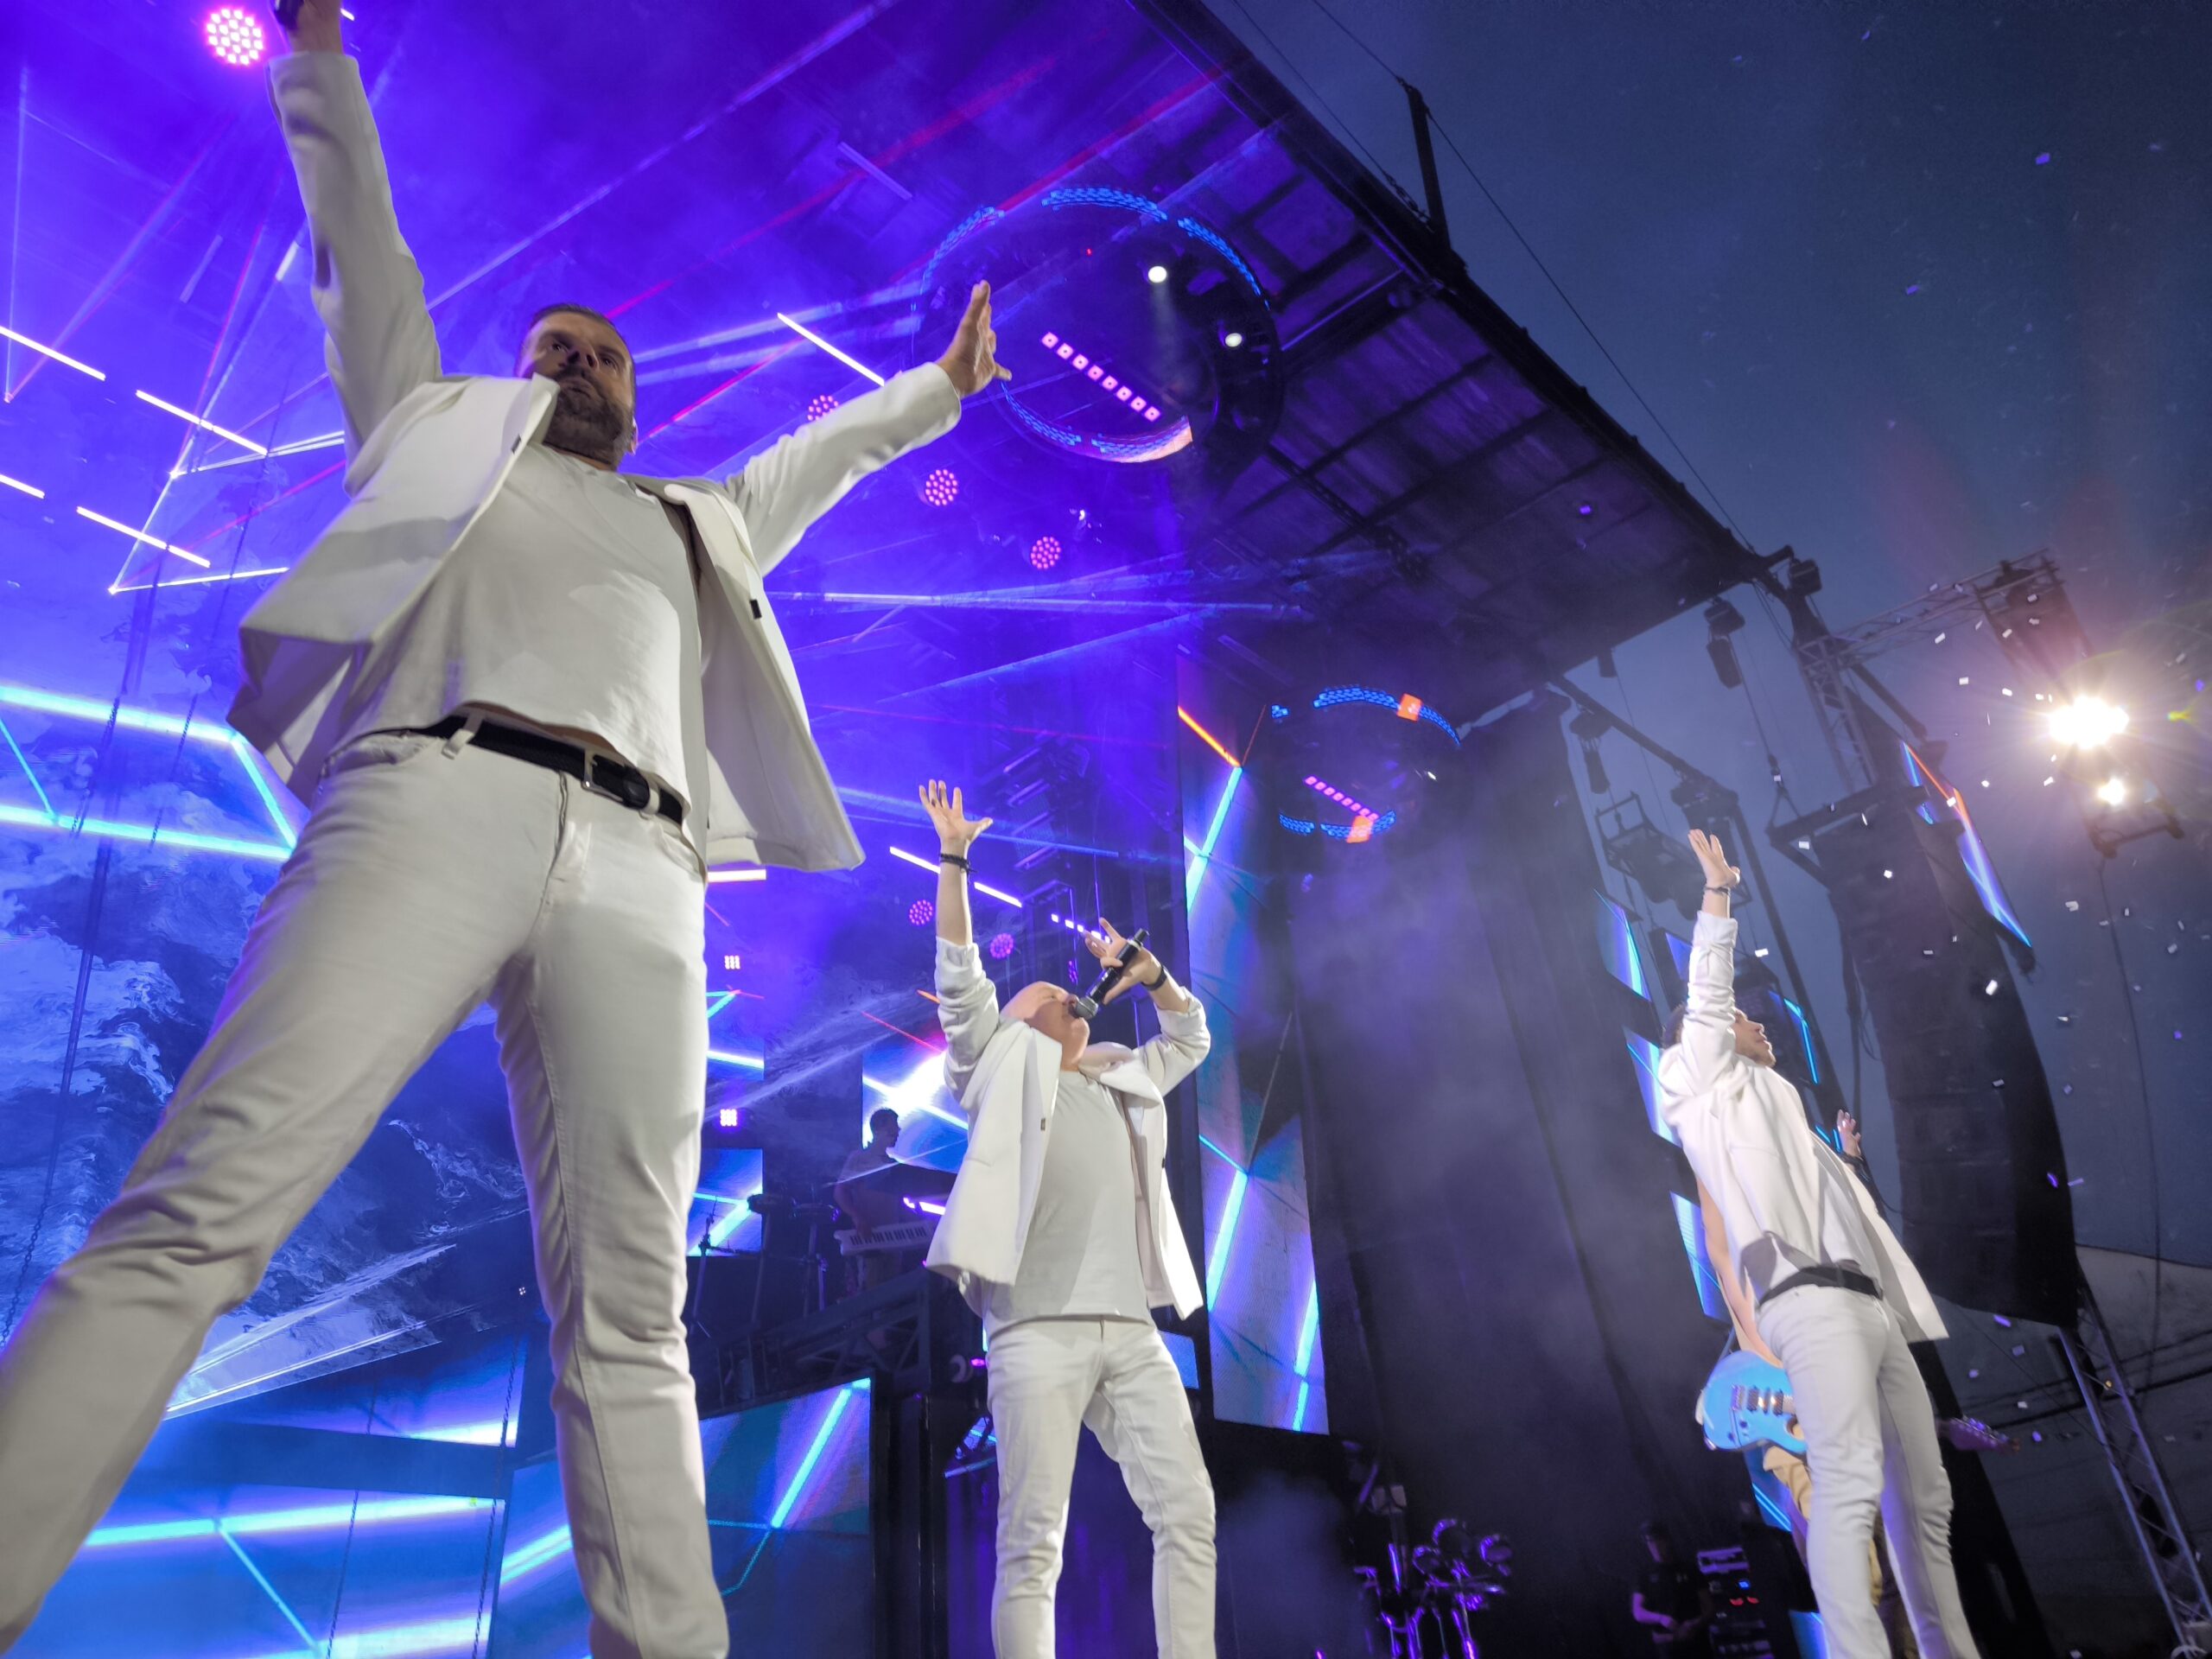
<point>1108,943</point>
<point>971,361</point>
<point>1846,1134</point>
<point>311,25</point>
<point>1719,872</point>
<point>956,831</point>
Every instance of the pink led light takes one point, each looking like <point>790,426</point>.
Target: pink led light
<point>1052,340</point>
<point>942,487</point>
<point>1109,382</point>
<point>1095,371</point>
<point>1152,413</point>
<point>818,407</point>
<point>1330,791</point>
<point>235,35</point>
<point>1081,362</point>
<point>1044,552</point>
<point>1123,394</point>
<point>1067,351</point>
<point>921,913</point>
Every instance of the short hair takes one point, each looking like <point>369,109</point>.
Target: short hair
<point>545,311</point>
<point>875,1118</point>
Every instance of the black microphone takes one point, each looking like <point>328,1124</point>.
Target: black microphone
<point>1086,1007</point>
<point>287,14</point>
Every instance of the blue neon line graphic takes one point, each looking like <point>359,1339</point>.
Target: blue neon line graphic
<point>136,720</point>
<point>813,1454</point>
<point>1298,1414</point>
<point>747,1062</point>
<point>147,834</point>
<point>528,1558</point>
<point>248,759</point>
<point>267,1589</point>
<point>1310,1330</point>
<point>1804,1037</point>
<point>1219,1153</point>
<point>1198,870</point>
<point>311,1519</point>
<point>717,1001</point>
<point>1228,1214</point>
<point>24,762</point>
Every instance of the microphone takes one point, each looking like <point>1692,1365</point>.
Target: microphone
<point>287,14</point>
<point>1087,1006</point>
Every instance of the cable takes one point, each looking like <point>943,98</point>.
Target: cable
<point>1507,221</point>
<point>2150,1137</point>
<point>1314,92</point>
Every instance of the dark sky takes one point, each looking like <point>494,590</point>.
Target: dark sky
<point>1915,290</point>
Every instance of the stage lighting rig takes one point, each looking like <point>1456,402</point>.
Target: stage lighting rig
<point>1722,622</point>
<point>1352,764</point>
<point>1134,333</point>
<point>2087,722</point>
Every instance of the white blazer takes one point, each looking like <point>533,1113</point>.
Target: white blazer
<point>427,453</point>
<point>1744,1130</point>
<point>1008,1078</point>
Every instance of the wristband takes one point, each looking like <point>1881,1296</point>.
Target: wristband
<point>955,859</point>
<point>1713,889</point>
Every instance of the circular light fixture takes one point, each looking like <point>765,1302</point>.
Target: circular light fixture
<point>2113,791</point>
<point>1002,946</point>
<point>921,913</point>
<point>2087,722</point>
<point>820,405</point>
<point>1232,340</point>
<point>942,487</point>
<point>1156,275</point>
<point>235,35</point>
<point>1044,552</point>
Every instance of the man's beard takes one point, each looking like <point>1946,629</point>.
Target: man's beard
<point>585,423</point>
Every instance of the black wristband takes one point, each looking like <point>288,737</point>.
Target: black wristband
<point>1714,889</point>
<point>1157,980</point>
<point>953,858</point>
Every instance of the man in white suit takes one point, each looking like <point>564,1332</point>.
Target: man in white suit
<point>1061,1234</point>
<point>1810,1269</point>
<point>530,701</point>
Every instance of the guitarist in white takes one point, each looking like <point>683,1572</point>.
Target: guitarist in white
<point>1810,1269</point>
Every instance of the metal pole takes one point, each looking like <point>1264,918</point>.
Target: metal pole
<point>1426,145</point>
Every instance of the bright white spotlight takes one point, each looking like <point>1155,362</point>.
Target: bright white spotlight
<point>1157,274</point>
<point>1232,340</point>
<point>2113,791</point>
<point>2087,722</point>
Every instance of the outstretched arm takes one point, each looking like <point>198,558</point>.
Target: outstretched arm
<point>967,1002</point>
<point>366,285</point>
<point>783,490</point>
<point>1708,1041</point>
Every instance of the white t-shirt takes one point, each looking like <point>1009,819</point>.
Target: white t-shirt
<point>570,604</point>
<point>1081,1258</point>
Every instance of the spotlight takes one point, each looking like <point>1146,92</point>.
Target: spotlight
<point>1044,552</point>
<point>2087,722</point>
<point>921,913</point>
<point>1001,947</point>
<point>235,35</point>
<point>1722,620</point>
<point>1232,340</point>
<point>1156,276</point>
<point>2113,791</point>
<point>942,487</point>
<point>727,1117</point>
<point>819,406</point>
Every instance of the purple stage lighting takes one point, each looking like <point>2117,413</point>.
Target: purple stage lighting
<point>818,407</point>
<point>1001,947</point>
<point>942,487</point>
<point>1044,552</point>
<point>235,35</point>
<point>921,913</point>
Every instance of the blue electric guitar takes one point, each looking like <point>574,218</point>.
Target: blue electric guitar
<point>1747,1402</point>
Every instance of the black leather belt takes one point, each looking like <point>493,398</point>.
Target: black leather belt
<point>599,773</point>
<point>1825,1273</point>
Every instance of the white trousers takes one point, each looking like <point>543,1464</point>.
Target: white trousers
<point>428,878</point>
<point>1048,1377</point>
<point>1870,1443</point>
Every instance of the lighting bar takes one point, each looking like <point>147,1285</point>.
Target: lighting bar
<point>1230,1211</point>
<point>985,887</point>
<point>31,489</point>
<point>1206,737</point>
<point>1095,372</point>
<point>141,536</point>
<point>745,1062</point>
<point>313,1519</point>
<point>267,1589</point>
<point>1340,798</point>
<point>62,357</point>
<point>923,1206</point>
<point>716,878</point>
<point>790,1496</point>
<point>243,750</point>
<point>805,332</point>
<point>204,424</point>
<point>139,720</point>
<point>1310,1330</point>
<point>23,760</point>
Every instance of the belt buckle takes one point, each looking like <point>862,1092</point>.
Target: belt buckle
<point>593,758</point>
